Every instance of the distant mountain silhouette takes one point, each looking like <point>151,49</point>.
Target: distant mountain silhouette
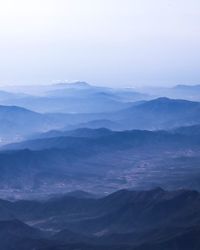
<point>81,132</point>
<point>18,123</point>
<point>180,91</point>
<point>77,97</point>
<point>161,113</point>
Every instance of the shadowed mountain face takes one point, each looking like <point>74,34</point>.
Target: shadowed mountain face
<point>100,160</point>
<point>155,219</point>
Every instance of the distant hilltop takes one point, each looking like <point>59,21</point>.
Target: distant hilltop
<point>74,84</point>
<point>184,86</point>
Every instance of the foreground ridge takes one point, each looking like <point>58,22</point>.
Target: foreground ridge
<point>126,219</point>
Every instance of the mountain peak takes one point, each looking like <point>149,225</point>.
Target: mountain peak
<point>167,101</point>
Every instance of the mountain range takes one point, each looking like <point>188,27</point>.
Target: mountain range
<point>100,160</point>
<point>129,220</point>
<point>78,97</point>
<point>85,167</point>
<point>19,123</point>
<point>180,91</point>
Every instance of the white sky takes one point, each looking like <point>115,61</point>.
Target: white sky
<point>108,42</point>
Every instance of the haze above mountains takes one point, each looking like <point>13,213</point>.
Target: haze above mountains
<point>90,167</point>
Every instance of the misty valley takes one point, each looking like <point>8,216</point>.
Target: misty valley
<point>99,125</point>
<point>98,168</point>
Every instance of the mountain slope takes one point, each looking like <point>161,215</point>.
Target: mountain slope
<point>161,113</point>
<point>169,114</point>
<point>78,97</point>
<point>131,220</point>
<point>17,122</point>
<point>101,160</point>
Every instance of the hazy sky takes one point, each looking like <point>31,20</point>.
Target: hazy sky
<point>122,42</point>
